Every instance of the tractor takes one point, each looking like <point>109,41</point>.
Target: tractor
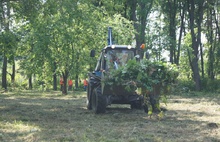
<point>100,94</point>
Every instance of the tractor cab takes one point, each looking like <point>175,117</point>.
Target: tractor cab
<point>114,56</point>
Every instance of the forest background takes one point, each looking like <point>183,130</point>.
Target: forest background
<point>41,40</point>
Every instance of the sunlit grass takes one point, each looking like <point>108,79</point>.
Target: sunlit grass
<point>17,130</point>
<point>18,126</point>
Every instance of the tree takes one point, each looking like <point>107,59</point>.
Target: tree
<point>11,11</point>
<point>136,11</point>
<point>195,9</point>
<point>213,38</point>
<point>182,12</point>
<point>139,11</point>
<point>5,16</point>
<point>169,8</point>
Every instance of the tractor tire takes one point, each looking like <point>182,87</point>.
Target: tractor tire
<point>154,100</point>
<point>89,98</point>
<point>145,108</point>
<point>136,104</point>
<point>98,101</point>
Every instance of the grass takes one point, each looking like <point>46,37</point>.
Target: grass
<point>34,116</point>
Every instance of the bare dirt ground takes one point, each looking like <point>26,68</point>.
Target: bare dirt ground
<point>29,116</point>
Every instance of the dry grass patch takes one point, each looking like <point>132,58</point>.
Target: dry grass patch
<point>32,116</point>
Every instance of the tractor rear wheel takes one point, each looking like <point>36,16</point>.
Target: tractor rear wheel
<point>98,101</point>
<point>145,108</point>
<point>136,104</point>
<point>154,100</point>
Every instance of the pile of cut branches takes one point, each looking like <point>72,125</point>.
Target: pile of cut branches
<point>147,75</point>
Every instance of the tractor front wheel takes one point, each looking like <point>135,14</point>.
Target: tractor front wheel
<point>98,101</point>
<point>89,98</point>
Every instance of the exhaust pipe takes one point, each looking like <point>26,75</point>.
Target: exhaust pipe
<point>109,35</point>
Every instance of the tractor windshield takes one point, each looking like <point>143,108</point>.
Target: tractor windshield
<point>117,58</point>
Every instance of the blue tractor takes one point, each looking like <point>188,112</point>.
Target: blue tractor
<point>100,94</point>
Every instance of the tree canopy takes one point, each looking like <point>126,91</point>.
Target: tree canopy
<point>44,40</point>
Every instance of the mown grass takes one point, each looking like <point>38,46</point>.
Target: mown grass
<point>36,116</point>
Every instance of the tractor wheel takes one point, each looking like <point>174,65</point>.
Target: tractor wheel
<point>136,104</point>
<point>98,101</point>
<point>145,108</point>
<point>154,100</point>
<point>89,98</point>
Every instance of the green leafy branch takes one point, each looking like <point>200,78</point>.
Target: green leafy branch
<point>143,74</point>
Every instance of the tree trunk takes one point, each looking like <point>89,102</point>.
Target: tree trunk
<point>195,66</point>
<point>140,24</point>
<point>4,73</point>
<point>6,45</point>
<point>30,82</point>
<point>13,73</point>
<point>196,75</point>
<point>55,82</point>
<point>199,24</point>
<point>77,65</point>
<point>172,29</point>
<point>217,38</point>
<point>133,16</point>
<point>182,15</point>
<point>77,81</point>
<point>211,57</point>
<point>202,60</point>
<point>54,77</point>
<point>65,77</point>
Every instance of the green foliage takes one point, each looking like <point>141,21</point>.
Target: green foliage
<point>49,32</point>
<point>210,85</point>
<point>185,85</point>
<point>143,74</point>
<point>8,41</point>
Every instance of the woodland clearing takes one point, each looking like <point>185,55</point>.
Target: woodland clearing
<point>34,116</point>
